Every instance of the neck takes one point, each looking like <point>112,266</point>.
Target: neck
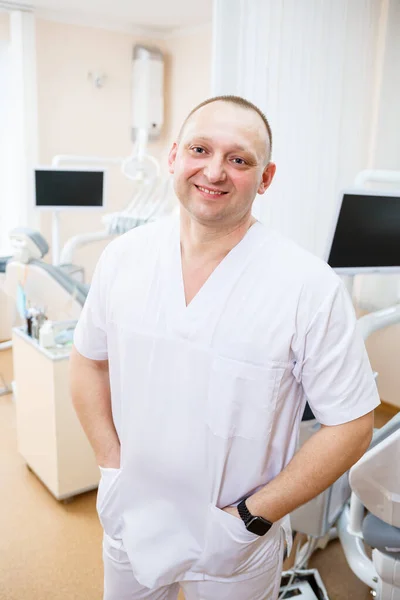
<point>205,243</point>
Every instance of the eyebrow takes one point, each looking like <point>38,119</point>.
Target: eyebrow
<point>202,138</point>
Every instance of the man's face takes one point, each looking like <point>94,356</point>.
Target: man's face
<point>220,163</point>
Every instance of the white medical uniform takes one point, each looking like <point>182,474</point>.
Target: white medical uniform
<point>207,398</point>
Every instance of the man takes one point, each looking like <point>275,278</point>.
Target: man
<point>200,340</point>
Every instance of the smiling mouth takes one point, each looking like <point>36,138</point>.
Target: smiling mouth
<point>210,192</point>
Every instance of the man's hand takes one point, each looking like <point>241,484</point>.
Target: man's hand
<point>232,510</point>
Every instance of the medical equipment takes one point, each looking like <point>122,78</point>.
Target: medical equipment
<point>305,585</point>
<point>44,285</point>
<point>30,279</point>
<point>69,189</point>
<point>152,198</point>
<point>375,481</point>
<point>365,237</point>
<point>147,91</point>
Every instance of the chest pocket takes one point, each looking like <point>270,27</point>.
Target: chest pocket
<point>242,398</point>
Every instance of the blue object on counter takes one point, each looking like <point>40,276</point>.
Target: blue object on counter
<point>64,337</point>
<point>21,302</point>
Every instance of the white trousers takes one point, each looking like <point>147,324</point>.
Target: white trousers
<point>120,584</point>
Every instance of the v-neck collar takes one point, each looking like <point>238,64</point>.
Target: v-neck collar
<point>213,294</point>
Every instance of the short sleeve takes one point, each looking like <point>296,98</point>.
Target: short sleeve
<point>335,372</point>
<point>90,337</point>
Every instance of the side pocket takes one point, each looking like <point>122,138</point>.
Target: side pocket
<point>108,502</point>
<point>230,550</point>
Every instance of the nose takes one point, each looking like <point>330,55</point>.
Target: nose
<point>214,169</point>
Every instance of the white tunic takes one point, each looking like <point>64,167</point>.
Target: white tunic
<point>207,398</point>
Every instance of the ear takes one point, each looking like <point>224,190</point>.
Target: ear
<point>172,157</point>
<point>267,177</point>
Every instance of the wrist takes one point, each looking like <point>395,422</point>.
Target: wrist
<point>254,523</point>
<point>257,507</point>
<point>110,459</point>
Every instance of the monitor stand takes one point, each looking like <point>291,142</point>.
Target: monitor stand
<point>55,237</point>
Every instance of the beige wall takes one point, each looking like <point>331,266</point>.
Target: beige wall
<point>384,351</point>
<point>77,118</point>
<point>4,26</point>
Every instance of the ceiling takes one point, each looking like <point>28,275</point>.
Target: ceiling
<point>152,14</point>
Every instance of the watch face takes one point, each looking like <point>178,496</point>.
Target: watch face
<point>258,525</point>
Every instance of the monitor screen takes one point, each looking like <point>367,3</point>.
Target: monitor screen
<point>367,233</point>
<point>65,189</point>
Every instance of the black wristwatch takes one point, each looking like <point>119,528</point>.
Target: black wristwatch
<point>257,525</point>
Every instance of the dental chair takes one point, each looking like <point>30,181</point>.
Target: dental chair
<point>44,285</point>
<point>373,517</point>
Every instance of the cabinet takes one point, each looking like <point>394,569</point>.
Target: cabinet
<point>50,437</point>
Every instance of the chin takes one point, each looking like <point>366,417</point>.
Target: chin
<point>206,213</point>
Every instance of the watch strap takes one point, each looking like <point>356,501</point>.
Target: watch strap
<point>244,512</point>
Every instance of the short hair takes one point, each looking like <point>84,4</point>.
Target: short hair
<point>239,101</point>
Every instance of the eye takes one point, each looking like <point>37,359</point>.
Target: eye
<point>198,150</point>
<point>239,161</point>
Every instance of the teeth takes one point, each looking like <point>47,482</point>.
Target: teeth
<point>210,191</point>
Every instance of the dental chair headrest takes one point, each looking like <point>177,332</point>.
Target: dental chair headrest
<point>28,244</point>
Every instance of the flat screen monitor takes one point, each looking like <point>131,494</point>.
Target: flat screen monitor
<point>66,189</point>
<point>366,233</point>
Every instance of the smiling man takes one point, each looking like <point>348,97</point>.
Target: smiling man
<point>201,340</point>
<point>227,167</point>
